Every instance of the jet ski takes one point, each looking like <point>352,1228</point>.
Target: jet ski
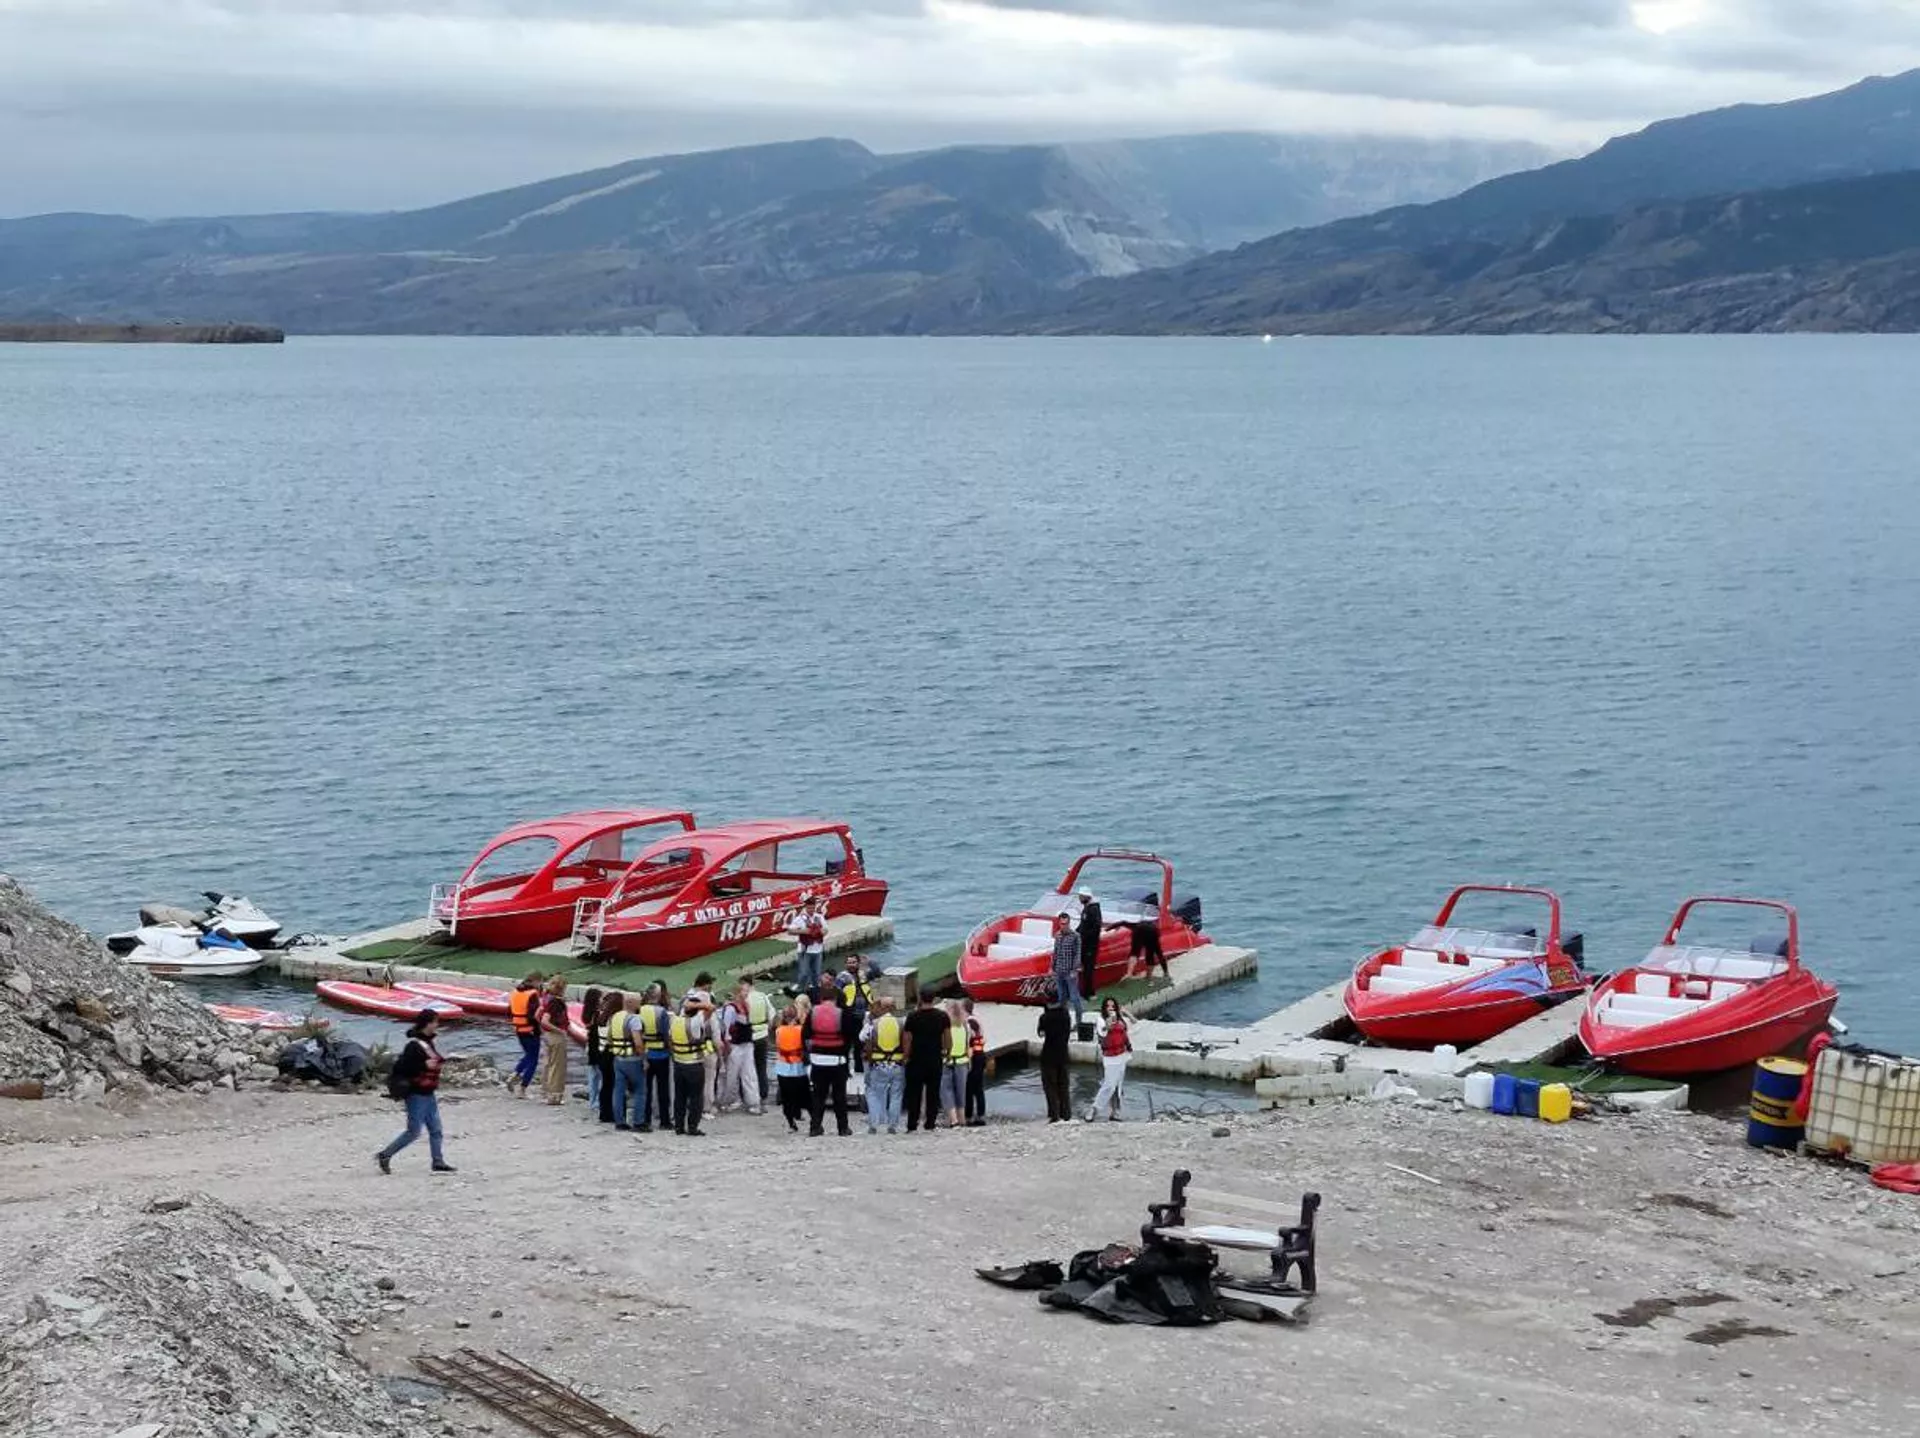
<point>177,951</point>
<point>230,914</point>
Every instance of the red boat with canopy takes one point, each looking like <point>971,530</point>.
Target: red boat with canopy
<point>1450,984</point>
<point>704,890</point>
<point>1009,960</point>
<point>521,892</point>
<point>1691,1008</point>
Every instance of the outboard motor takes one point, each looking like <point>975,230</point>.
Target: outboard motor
<point>1575,948</point>
<point>1186,908</point>
<point>1774,946</point>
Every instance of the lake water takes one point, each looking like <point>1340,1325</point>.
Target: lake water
<point>1336,624</point>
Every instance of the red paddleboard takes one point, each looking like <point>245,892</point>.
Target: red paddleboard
<point>273,1020</point>
<point>376,999</point>
<point>471,999</point>
<point>576,1023</point>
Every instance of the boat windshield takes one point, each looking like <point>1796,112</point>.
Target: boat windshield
<point>1112,911</point>
<point>1487,943</point>
<point>1706,962</point>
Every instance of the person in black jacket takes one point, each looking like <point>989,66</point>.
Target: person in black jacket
<point>1092,924</point>
<point>416,1081</point>
<point>1056,1027</point>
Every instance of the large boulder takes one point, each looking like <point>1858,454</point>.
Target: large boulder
<point>75,1020</point>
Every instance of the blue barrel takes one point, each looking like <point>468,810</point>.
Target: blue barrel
<point>1503,1087</point>
<point>1526,1097</point>
<point>1776,1089</point>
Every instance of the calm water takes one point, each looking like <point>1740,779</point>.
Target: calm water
<point>1337,624</point>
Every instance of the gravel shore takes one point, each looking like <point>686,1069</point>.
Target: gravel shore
<point>1645,1275</point>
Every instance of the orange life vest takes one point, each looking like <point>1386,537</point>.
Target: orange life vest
<point>976,1037</point>
<point>520,1010</point>
<point>789,1041</point>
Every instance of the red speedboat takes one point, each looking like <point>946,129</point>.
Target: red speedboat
<point>522,891</point>
<point>1449,984</point>
<point>1695,1009</point>
<point>696,893</point>
<point>1009,960</point>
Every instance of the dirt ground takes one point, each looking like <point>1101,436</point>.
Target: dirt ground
<point>1637,1276</point>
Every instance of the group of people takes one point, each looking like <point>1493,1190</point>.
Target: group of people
<point>653,1063</point>
<point>1077,934</point>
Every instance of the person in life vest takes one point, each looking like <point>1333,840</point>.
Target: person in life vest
<point>856,992</point>
<point>523,1009</point>
<point>976,1068</point>
<point>656,1098</point>
<point>553,1041</point>
<point>760,1022</point>
<point>686,1041</point>
<point>1115,1045</point>
<point>808,926</point>
<point>790,1066</point>
<point>883,1040</point>
<point>622,1040</point>
<point>739,1085</point>
<point>953,1072</point>
<point>701,995</point>
<point>830,1035</point>
<point>416,1080</point>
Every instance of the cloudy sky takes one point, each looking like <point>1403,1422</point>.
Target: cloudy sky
<point>206,106</point>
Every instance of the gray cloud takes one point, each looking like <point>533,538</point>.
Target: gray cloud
<point>172,106</point>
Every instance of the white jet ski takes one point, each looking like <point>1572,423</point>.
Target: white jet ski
<point>177,951</point>
<point>242,918</point>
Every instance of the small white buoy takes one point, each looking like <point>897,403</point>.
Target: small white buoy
<point>1266,339</point>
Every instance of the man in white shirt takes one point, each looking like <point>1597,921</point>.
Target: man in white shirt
<point>809,928</point>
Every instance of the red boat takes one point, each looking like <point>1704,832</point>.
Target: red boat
<point>472,999</point>
<point>1449,984</point>
<point>380,999</point>
<point>521,892</point>
<point>696,893</point>
<point>1009,960</point>
<point>1696,1009</point>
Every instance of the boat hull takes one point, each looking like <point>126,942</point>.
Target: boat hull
<point>681,935</point>
<point>1029,978</point>
<point>1459,1025</point>
<point>220,968</point>
<point>1687,1046</point>
<point>517,928</point>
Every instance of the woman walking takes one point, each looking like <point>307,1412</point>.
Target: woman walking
<point>790,1067</point>
<point>1115,1045</point>
<point>416,1080</point>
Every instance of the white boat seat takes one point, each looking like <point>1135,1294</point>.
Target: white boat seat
<point>1390,979</point>
<point>1418,959</point>
<point>1015,948</point>
<point>1725,989</point>
<point>1038,928</point>
<point>1655,985</point>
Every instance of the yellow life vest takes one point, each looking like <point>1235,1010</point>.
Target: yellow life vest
<point>616,1036</point>
<point>857,994</point>
<point>957,1044</point>
<point>886,1040</point>
<point>651,1038</point>
<point>759,1015</point>
<point>680,1041</point>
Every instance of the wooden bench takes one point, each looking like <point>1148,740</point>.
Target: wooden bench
<point>1230,1220</point>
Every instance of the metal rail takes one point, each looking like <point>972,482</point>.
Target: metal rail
<point>523,1393</point>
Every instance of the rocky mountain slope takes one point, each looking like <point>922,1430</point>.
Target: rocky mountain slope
<point>818,236</point>
<point>1430,267</point>
<point>1842,255</point>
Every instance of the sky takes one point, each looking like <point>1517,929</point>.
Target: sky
<point>169,107</point>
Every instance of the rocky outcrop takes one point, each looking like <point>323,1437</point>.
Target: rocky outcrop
<point>75,1021</point>
<point>182,1316</point>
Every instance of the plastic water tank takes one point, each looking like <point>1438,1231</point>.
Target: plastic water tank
<point>1503,1093</point>
<point>1556,1102</point>
<point>1479,1092</point>
<point>1866,1106</point>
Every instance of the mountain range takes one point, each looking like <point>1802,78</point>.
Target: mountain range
<point>1802,215</point>
<point>815,236</point>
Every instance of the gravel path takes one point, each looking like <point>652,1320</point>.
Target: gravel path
<point>1604,1276</point>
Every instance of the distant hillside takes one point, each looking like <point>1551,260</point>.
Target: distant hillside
<point>1393,262</point>
<point>817,236</point>
<point>1839,255</point>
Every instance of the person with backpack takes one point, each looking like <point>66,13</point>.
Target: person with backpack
<point>976,1068</point>
<point>883,1039</point>
<point>415,1081</point>
<point>1115,1046</point>
<point>523,1008</point>
<point>829,1034</point>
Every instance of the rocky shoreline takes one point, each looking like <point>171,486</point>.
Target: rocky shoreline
<point>52,332</point>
